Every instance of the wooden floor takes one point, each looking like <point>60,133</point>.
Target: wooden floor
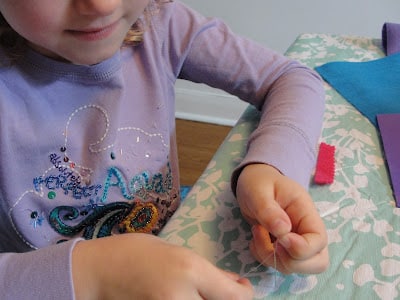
<point>197,143</point>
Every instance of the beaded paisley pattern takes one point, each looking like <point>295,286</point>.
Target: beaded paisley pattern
<point>135,217</point>
<point>99,218</point>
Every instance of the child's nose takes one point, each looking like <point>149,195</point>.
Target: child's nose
<point>96,7</point>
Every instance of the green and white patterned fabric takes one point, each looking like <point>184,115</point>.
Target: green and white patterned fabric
<point>358,208</point>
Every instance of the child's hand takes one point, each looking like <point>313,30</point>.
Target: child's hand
<point>278,206</point>
<point>142,266</point>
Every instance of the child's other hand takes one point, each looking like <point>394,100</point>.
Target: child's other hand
<point>278,206</point>
<point>142,266</point>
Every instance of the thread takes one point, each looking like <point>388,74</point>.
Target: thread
<point>254,269</point>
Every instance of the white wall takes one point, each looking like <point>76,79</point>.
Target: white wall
<point>276,24</point>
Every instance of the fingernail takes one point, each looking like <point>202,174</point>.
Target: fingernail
<point>280,227</point>
<point>253,229</point>
<point>285,242</point>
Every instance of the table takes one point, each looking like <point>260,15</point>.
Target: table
<point>358,208</point>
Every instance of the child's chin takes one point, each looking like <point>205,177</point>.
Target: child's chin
<point>91,59</point>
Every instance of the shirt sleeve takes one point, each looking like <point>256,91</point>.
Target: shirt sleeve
<point>289,95</point>
<point>40,274</point>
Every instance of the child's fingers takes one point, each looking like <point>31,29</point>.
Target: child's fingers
<point>270,215</point>
<point>219,284</point>
<point>308,235</point>
<point>238,278</point>
<point>302,247</point>
<point>310,261</point>
<point>261,246</point>
<point>313,265</point>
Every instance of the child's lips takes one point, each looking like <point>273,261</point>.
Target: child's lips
<point>94,34</point>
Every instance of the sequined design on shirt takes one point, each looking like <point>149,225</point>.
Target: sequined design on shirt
<point>146,213</point>
<point>96,183</point>
<point>136,217</point>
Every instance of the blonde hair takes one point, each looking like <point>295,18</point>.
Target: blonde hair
<point>16,45</point>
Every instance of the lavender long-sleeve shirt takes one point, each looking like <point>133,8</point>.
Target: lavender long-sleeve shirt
<point>89,151</point>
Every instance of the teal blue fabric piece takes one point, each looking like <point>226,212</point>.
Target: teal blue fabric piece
<point>185,189</point>
<point>373,87</point>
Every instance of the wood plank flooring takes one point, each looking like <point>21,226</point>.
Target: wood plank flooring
<point>197,143</point>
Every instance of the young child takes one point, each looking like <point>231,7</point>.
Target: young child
<point>88,150</point>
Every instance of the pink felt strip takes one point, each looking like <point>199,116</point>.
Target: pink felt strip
<point>325,168</point>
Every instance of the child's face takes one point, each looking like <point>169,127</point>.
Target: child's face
<point>78,31</point>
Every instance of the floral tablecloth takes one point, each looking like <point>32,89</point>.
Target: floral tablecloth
<point>358,208</point>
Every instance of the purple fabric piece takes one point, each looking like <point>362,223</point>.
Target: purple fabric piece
<point>391,38</point>
<point>389,125</point>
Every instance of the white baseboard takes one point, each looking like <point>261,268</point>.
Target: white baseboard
<point>200,103</point>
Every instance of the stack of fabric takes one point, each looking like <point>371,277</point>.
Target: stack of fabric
<point>373,87</point>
